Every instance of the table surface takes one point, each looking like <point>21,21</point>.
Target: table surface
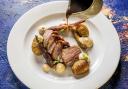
<point>11,10</point>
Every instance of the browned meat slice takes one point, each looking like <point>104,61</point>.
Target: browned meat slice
<point>45,54</point>
<point>64,26</point>
<point>50,50</point>
<point>58,28</point>
<point>56,46</point>
<point>46,36</point>
<point>70,54</point>
<point>52,39</point>
<point>57,51</point>
<point>64,43</point>
<point>50,42</point>
<point>58,37</point>
<point>55,32</point>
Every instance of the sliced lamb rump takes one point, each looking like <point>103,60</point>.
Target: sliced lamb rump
<point>64,43</point>
<point>70,54</point>
<point>51,48</point>
<point>57,51</point>
<point>58,37</point>
<point>50,42</point>
<point>46,36</point>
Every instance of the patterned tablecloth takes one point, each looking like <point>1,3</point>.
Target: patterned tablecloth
<point>11,10</point>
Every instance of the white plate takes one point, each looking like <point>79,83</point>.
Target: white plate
<point>104,55</point>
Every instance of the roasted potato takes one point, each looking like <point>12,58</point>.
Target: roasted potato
<point>84,42</point>
<point>46,68</point>
<point>80,67</point>
<point>35,46</point>
<point>60,68</point>
<point>82,30</point>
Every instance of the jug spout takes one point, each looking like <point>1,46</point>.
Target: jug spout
<point>84,8</point>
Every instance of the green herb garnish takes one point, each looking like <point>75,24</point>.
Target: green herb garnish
<point>85,56</point>
<point>62,31</point>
